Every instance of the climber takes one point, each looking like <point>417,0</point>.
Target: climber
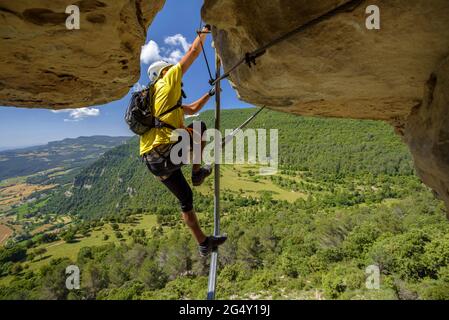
<point>156,144</point>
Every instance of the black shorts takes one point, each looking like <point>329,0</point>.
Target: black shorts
<point>180,188</point>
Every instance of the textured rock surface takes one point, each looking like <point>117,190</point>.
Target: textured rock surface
<point>339,68</point>
<point>45,65</point>
<point>336,68</point>
<point>427,133</point>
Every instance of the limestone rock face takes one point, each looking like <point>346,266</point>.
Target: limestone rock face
<point>46,65</point>
<point>336,68</point>
<point>427,133</point>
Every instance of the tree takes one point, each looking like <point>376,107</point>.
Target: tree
<point>53,280</point>
<point>152,275</point>
<point>14,254</point>
<point>84,255</point>
<point>342,278</point>
<point>69,237</point>
<point>16,269</point>
<point>94,278</point>
<point>249,249</point>
<point>40,252</point>
<point>436,254</point>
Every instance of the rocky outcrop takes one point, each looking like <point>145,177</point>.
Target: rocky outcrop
<point>340,68</point>
<point>427,133</point>
<point>337,68</point>
<point>46,65</point>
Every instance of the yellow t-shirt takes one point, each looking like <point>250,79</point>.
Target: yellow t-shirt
<point>166,95</point>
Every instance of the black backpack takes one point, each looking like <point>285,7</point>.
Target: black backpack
<point>139,115</point>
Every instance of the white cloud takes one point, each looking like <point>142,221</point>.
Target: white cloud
<point>175,56</point>
<point>150,52</point>
<point>84,113</point>
<point>178,39</point>
<point>177,46</point>
<point>79,114</point>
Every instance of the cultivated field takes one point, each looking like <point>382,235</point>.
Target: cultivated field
<point>5,233</point>
<point>15,193</point>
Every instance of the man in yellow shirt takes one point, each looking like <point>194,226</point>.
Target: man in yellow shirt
<point>156,144</point>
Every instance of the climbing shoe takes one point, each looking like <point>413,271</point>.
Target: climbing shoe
<point>211,244</point>
<point>199,176</point>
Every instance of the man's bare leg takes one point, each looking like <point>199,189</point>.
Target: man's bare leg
<point>191,221</point>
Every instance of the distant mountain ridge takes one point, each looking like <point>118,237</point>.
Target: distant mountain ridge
<point>65,154</point>
<point>12,148</point>
<point>65,141</point>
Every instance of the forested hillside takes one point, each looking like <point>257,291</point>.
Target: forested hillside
<point>319,148</point>
<point>345,198</point>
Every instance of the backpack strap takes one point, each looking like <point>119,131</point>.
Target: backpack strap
<point>161,124</point>
<point>178,105</point>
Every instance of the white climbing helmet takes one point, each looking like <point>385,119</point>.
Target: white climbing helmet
<point>154,71</point>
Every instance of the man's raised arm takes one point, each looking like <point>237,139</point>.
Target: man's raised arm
<point>194,50</point>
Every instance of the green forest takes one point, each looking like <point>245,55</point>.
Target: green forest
<point>354,202</point>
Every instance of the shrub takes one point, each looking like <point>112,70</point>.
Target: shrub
<point>342,278</point>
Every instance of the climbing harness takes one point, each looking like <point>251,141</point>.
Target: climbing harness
<point>250,59</point>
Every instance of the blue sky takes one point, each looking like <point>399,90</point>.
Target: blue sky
<point>177,21</point>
